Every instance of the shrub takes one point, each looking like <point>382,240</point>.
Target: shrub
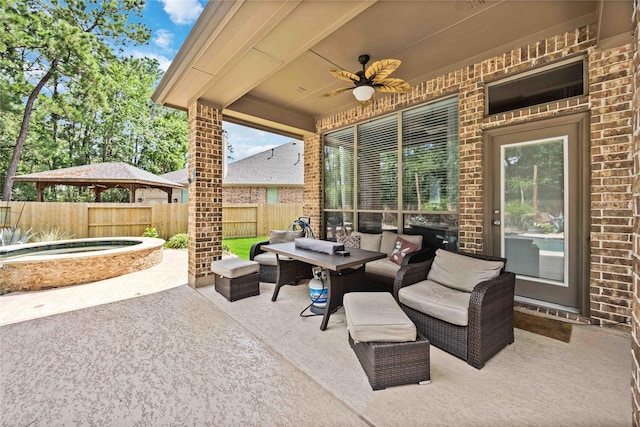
<point>13,236</point>
<point>52,235</point>
<point>150,232</point>
<point>178,241</point>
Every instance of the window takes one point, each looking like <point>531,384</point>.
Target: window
<point>396,172</point>
<point>552,83</point>
<point>272,196</point>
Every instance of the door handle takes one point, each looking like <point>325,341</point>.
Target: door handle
<point>496,222</point>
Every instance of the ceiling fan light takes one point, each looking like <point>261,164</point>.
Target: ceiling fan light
<point>363,93</point>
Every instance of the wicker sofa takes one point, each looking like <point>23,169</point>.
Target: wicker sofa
<point>462,303</point>
<point>381,273</point>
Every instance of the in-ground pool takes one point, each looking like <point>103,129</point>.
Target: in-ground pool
<point>35,266</point>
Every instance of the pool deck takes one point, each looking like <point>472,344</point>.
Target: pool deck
<point>145,349</point>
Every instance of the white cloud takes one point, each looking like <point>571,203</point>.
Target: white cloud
<point>162,60</point>
<point>163,39</point>
<point>182,12</point>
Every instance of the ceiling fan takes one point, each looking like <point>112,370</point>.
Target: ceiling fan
<point>371,79</point>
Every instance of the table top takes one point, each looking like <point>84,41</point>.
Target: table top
<point>330,262</point>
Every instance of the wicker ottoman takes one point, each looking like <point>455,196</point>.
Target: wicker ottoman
<point>384,339</point>
<point>236,278</point>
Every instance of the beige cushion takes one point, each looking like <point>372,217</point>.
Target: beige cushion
<point>383,267</point>
<point>441,302</point>
<point>232,268</point>
<point>462,272</point>
<point>284,236</point>
<point>376,317</point>
<point>269,258</point>
<point>368,241</point>
<point>389,239</point>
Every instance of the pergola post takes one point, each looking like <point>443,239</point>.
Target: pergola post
<point>205,192</point>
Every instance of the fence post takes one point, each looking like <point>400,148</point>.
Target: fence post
<point>260,223</point>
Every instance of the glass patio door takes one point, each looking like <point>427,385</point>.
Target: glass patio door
<point>536,215</point>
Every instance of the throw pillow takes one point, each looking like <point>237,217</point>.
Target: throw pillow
<point>349,241</point>
<point>400,249</point>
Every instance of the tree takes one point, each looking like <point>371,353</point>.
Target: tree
<point>50,44</point>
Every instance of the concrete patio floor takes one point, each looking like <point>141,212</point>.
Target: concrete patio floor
<point>145,349</point>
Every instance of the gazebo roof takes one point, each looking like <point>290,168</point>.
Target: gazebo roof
<point>98,173</point>
<point>99,177</point>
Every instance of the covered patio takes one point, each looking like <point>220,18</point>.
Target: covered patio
<point>264,64</point>
<point>145,349</point>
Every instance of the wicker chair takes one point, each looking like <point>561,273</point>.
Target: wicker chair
<point>288,271</point>
<point>490,314</point>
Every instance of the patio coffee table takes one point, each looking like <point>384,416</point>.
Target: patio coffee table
<point>342,277</point>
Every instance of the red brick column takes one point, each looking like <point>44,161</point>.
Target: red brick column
<point>205,192</point>
<point>635,315</point>
<point>313,170</point>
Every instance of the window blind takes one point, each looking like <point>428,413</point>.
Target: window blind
<point>430,155</point>
<point>378,164</point>
<point>338,170</point>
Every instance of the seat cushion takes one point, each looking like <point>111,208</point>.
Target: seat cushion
<point>441,302</point>
<point>376,317</point>
<point>232,268</point>
<point>382,267</point>
<point>388,242</point>
<point>368,241</point>
<point>462,272</point>
<point>269,258</point>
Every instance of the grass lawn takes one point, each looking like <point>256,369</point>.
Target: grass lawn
<point>241,247</point>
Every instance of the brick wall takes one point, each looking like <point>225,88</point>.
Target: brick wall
<point>313,181</point>
<point>610,89</point>
<point>259,194</point>
<point>635,328</point>
<point>244,195</point>
<point>609,105</point>
<point>205,193</point>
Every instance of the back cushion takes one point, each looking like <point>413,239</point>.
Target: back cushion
<point>277,236</point>
<point>349,241</point>
<point>368,241</point>
<point>284,236</point>
<point>389,241</point>
<point>462,272</point>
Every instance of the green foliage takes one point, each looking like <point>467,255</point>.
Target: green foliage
<point>52,235</point>
<point>517,213</point>
<point>60,76</point>
<point>150,232</point>
<point>177,241</point>
<point>13,236</point>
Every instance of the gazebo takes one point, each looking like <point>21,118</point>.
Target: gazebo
<point>99,177</point>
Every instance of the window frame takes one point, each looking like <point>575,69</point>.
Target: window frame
<point>534,71</point>
<point>400,212</point>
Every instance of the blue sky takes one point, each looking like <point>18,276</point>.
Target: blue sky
<point>170,22</point>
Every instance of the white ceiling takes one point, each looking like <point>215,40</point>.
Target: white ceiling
<point>265,62</point>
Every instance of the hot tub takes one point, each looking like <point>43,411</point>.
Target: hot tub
<point>36,266</point>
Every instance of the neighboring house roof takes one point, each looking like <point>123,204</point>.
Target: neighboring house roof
<point>101,173</point>
<point>282,165</point>
<point>179,177</point>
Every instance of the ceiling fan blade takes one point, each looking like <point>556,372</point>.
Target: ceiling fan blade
<point>337,91</point>
<point>392,85</point>
<point>382,69</point>
<point>344,75</point>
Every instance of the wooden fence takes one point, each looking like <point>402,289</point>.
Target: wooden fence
<point>121,219</point>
